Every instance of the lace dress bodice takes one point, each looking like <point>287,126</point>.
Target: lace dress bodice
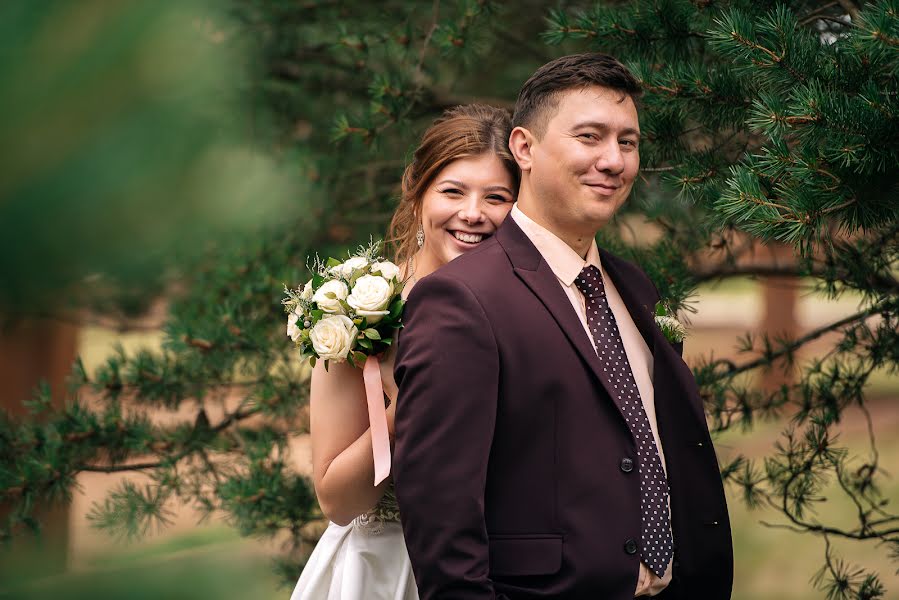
<point>385,511</point>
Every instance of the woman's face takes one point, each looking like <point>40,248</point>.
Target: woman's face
<point>464,205</point>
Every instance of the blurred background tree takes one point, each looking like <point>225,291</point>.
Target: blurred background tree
<point>124,146</point>
<point>770,145</point>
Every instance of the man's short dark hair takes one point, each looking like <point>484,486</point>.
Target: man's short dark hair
<point>539,96</point>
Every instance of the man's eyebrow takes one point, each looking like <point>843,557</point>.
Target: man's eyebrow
<point>601,125</point>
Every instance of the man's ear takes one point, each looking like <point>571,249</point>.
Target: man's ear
<point>521,141</point>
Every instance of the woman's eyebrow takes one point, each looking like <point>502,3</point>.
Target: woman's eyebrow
<point>453,182</point>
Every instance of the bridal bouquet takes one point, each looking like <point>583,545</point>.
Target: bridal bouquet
<point>349,310</point>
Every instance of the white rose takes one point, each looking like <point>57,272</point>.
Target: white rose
<point>389,271</point>
<point>327,304</point>
<point>306,294</point>
<point>347,268</point>
<point>292,330</point>
<point>370,297</point>
<point>333,337</point>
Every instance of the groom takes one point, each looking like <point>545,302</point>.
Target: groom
<point>550,442</point>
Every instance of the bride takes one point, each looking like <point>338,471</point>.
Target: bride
<point>460,186</point>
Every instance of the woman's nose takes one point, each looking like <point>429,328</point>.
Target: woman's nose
<point>471,211</point>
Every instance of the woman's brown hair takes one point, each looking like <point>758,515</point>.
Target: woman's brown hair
<point>463,131</point>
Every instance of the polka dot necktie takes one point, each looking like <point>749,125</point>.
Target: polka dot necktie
<point>657,546</point>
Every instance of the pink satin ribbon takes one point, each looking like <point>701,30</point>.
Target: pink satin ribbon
<point>377,417</point>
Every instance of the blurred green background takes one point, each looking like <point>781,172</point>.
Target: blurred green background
<point>127,146</point>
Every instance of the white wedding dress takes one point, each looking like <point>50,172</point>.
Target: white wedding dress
<point>365,560</point>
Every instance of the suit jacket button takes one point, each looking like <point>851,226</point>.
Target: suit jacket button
<point>627,465</point>
<point>630,546</point>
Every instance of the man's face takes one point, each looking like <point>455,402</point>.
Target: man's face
<point>583,169</point>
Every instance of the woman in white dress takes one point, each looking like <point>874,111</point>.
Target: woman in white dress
<point>458,189</point>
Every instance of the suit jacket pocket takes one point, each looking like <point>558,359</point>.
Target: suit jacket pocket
<point>525,554</point>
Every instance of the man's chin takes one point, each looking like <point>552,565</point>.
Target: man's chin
<point>601,211</point>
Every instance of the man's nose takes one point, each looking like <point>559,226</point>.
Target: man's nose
<point>610,159</point>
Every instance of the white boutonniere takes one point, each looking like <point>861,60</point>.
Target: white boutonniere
<point>674,330</point>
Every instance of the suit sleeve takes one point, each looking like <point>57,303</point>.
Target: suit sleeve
<point>447,372</point>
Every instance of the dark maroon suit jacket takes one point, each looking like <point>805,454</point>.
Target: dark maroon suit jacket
<point>509,446</point>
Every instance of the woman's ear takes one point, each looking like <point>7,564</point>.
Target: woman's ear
<point>520,142</point>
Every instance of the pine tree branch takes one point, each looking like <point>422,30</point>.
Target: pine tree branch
<point>660,169</point>
<point>729,272</point>
<point>819,452</point>
<point>231,418</point>
<point>850,7</point>
<point>816,14</point>
<point>734,370</point>
<point>862,514</point>
<point>136,387</point>
<point>805,526</point>
<point>679,92</point>
<point>522,45</point>
<point>435,10</point>
<point>800,526</point>
<point>123,468</point>
<point>840,206</point>
<point>834,20</point>
<point>879,283</point>
<point>869,422</point>
<point>235,417</point>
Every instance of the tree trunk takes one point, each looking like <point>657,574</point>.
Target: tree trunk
<point>779,320</point>
<point>31,351</point>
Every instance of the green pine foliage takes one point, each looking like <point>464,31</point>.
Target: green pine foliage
<point>124,151</point>
<point>762,121</point>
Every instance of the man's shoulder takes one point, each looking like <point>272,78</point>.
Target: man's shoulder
<point>620,262</point>
<point>477,268</point>
<point>475,275</point>
<point>629,269</point>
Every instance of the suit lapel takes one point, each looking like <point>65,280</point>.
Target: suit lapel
<point>672,378</point>
<point>642,310</point>
<point>530,267</point>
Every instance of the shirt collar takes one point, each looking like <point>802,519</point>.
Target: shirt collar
<point>562,260</point>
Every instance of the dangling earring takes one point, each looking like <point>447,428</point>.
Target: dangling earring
<point>420,236</point>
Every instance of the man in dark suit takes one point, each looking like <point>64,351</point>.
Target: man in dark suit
<point>550,442</point>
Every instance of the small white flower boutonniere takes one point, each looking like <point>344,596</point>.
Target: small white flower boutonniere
<point>674,330</point>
